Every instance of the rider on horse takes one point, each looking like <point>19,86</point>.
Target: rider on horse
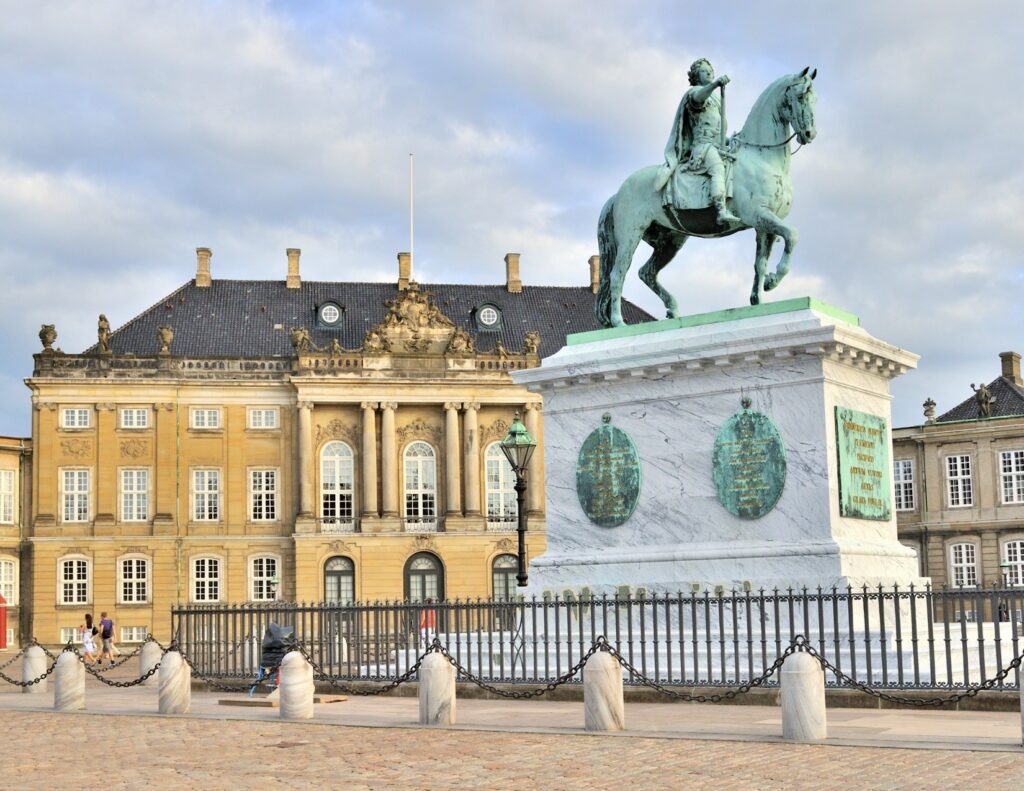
<point>693,145</point>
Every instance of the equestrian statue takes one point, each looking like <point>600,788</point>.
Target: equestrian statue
<point>709,186</point>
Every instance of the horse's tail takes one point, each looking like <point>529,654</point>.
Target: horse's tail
<point>607,248</point>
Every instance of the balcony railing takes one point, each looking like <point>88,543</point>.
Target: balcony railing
<point>332,525</point>
<point>504,523</point>
<point>420,524</point>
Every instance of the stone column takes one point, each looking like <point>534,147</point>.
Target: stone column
<point>471,435</point>
<point>106,467</point>
<point>307,464</point>
<point>369,458</point>
<point>165,469</point>
<point>389,458</point>
<point>33,665</point>
<point>437,691</point>
<point>534,471</point>
<point>296,687</point>
<point>175,678</point>
<point>451,452</point>
<point>803,698</point>
<point>604,707</point>
<point>69,683</point>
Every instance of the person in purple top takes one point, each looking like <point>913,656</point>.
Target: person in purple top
<point>107,635</point>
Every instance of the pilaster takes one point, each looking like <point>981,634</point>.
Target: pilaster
<point>471,438</point>
<point>453,477</point>
<point>389,458</point>
<point>106,469</point>
<point>369,458</point>
<point>166,469</point>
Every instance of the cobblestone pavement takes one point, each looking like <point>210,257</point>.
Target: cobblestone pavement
<point>46,750</point>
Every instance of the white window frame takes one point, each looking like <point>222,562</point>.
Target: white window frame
<point>134,634</point>
<point>140,587</point>
<point>195,579</point>
<point>963,564</point>
<point>134,418</point>
<point>903,484</point>
<point>78,584</point>
<point>199,418</point>
<point>260,576</point>
<point>78,495</point>
<point>264,484</point>
<point>7,497</point>
<point>417,490</point>
<point>68,632</point>
<point>500,501</point>
<point>337,488</point>
<point>959,480</point>
<point>9,579</point>
<point>134,500</point>
<point>1011,476</point>
<point>202,497</point>
<point>76,417</point>
<point>264,418</point>
<point>1012,553</point>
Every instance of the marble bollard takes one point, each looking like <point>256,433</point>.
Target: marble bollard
<point>33,665</point>
<point>175,684</point>
<point>149,657</point>
<point>296,688</point>
<point>437,691</point>
<point>604,708</point>
<point>803,698</point>
<point>69,683</point>
<point>1022,713</point>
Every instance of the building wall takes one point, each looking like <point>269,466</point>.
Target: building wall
<point>15,461</point>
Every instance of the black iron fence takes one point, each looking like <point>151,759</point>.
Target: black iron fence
<point>902,638</point>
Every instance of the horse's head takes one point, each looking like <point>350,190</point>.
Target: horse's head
<point>798,105</point>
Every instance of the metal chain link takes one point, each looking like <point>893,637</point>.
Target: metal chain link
<point>335,682</point>
<point>211,682</point>
<point>121,661</point>
<point>36,680</point>
<point>98,674</point>
<point>13,659</point>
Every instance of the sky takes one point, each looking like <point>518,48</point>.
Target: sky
<point>133,132</point>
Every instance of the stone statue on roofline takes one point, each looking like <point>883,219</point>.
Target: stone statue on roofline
<point>301,340</point>
<point>531,344</point>
<point>983,398</point>
<point>164,336</point>
<point>48,335</point>
<point>103,334</point>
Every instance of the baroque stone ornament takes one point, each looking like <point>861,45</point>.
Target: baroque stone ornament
<point>608,475</point>
<point>301,340</point>
<point>664,205</point>
<point>984,399</point>
<point>165,336</point>
<point>134,448</point>
<point>76,447</point>
<point>497,430</point>
<point>48,335</point>
<point>531,344</point>
<point>336,429</point>
<point>415,310</point>
<point>929,410</point>
<point>461,342</point>
<point>749,464</point>
<point>865,473</point>
<point>418,429</point>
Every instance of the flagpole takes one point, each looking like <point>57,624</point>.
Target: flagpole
<point>410,217</point>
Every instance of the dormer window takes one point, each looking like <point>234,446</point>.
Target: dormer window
<point>488,317</point>
<point>329,314</point>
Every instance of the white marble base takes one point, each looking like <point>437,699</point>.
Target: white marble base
<point>604,707</point>
<point>149,657</point>
<point>175,684</point>
<point>437,691</point>
<point>33,665</point>
<point>803,699</point>
<point>1022,713</point>
<point>671,391</point>
<point>296,687</point>
<point>69,683</point>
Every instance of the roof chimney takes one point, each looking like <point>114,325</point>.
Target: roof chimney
<point>1011,366</point>
<point>512,282</point>
<point>293,280</point>
<point>404,270</point>
<point>595,272</point>
<point>203,255</point>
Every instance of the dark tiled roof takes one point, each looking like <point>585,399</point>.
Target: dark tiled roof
<point>236,318</point>
<point>1009,402</point>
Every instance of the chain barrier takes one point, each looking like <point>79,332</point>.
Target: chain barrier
<point>338,683</point>
<point>210,681</point>
<point>121,661</point>
<point>37,679</point>
<point>13,659</point>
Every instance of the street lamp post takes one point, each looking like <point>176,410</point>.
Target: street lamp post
<point>272,584</point>
<point>518,447</point>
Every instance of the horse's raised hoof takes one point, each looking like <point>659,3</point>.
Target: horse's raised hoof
<point>755,299</point>
<point>770,282</point>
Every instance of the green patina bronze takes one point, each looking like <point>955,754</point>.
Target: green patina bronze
<point>749,464</point>
<point>709,185</point>
<point>608,475</point>
<point>862,442</point>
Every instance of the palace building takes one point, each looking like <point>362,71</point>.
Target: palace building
<point>15,465</point>
<point>252,440</point>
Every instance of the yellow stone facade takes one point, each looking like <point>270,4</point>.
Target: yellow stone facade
<point>150,473</point>
<point>15,459</point>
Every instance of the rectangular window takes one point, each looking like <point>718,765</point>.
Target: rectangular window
<point>74,581</point>
<point>135,417</point>
<point>1011,469</point>
<point>264,579</point>
<point>959,490</point>
<point>263,495</point>
<point>206,579</point>
<point>903,476</point>
<point>263,418</point>
<point>134,495</point>
<point>134,580</point>
<point>76,495</point>
<point>67,634</point>
<point>963,564</point>
<point>134,634</point>
<point>10,635</point>
<point>206,418</point>
<point>8,588</point>
<point>7,497</point>
<point>206,495</point>
<point>76,417</point>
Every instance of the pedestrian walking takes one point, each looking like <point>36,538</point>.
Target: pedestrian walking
<point>107,636</point>
<point>428,622</point>
<point>88,634</point>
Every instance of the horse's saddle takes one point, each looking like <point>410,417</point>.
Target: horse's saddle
<point>688,190</point>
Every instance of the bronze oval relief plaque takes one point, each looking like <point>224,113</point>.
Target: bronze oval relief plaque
<point>749,464</point>
<point>608,475</point>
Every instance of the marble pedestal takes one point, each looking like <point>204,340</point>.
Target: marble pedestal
<point>671,385</point>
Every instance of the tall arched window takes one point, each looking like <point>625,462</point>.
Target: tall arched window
<point>424,578</point>
<point>502,511</point>
<point>337,484</point>
<point>339,580</point>
<point>503,576</point>
<point>1013,557</point>
<point>420,487</point>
